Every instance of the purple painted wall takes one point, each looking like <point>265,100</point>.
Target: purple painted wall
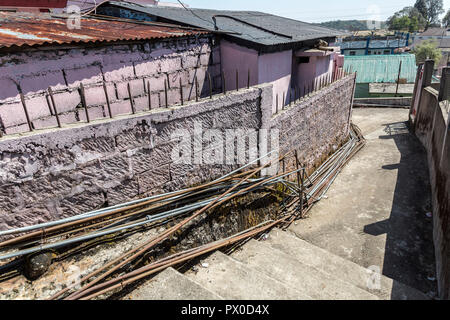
<point>33,72</point>
<point>235,57</point>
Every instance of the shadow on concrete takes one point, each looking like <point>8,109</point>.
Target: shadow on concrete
<point>409,252</point>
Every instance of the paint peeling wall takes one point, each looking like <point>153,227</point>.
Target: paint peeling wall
<point>33,72</point>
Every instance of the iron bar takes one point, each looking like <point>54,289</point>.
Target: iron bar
<point>165,93</point>
<point>50,92</point>
<point>83,102</point>
<point>181,93</point>
<point>24,105</point>
<point>107,98</point>
<point>149,89</point>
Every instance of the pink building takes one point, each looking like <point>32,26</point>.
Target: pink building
<point>292,55</point>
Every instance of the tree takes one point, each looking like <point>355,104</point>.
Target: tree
<point>446,20</point>
<point>430,10</point>
<point>421,7</point>
<point>409,18</point>
<point>428,49</point>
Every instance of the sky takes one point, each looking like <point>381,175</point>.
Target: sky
<point>313,11</point>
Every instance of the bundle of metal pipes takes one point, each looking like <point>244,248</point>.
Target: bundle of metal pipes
<point>185,205</point>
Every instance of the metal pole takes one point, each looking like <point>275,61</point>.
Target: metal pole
<point>83,102</point>
<point>50,92</point>
<point>196,89</point>
<point>181,93</point>
<point>165,93</point>
<point>131,98</point>
<point>107,99</point>
<point>398,77</point>
<point>22,98</point>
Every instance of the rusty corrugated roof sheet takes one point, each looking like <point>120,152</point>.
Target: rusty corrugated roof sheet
<point>19,29</point>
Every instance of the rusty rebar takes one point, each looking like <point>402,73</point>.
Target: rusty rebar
<point>107,99</point>
<point>149,89</point>
<point>83,102</point>
<point>181,93</point>
<point>165,93</point>
<point>24,105</point>
<point>50,92</point>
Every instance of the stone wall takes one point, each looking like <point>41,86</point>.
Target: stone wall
<point>316,126</point>
<point>136,63</point>
<point>55,173</point>
<point>431,125</point>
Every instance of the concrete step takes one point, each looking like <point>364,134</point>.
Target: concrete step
<point>317,284</point>
<point>339,267</point>
<point>232,280</point>
<point>171,285</point>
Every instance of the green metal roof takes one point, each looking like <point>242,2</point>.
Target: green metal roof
<point>382,68</point>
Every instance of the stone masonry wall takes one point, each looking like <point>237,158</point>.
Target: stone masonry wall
<point>137,63</point>
<point>316,126</point>
<point>54,173</point>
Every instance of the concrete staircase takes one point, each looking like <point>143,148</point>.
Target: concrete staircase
<point>283,267</point>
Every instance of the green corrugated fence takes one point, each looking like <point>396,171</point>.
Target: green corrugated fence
<point>382,68</point>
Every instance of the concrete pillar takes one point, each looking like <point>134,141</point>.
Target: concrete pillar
<point>444,90</point>
<point>427,73</point>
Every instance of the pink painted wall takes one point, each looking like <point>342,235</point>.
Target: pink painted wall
<point>318,67</point>
<point>235,57</point>
<point>276,68</point>
<point>117,65</point>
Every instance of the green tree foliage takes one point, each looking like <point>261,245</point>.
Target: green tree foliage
<point>407,19</point>
<point>428,49</point>
<point>446,20</point>
<point>430,10</point>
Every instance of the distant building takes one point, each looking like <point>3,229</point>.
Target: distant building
<point>373,47</point>
<point>265,48</point>
<point>432,33</point>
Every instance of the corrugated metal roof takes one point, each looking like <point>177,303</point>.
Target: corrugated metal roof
<point>382,68</point>
<point>443,43</point>
<point>256,27</point>
<point>435,32</point>
<point>18,29</point>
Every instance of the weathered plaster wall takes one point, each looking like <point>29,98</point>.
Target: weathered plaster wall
<point>62,172</point>
<point>432,127</point>
<point>157,61</point>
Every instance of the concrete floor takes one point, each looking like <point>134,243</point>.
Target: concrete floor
<point>375,213</point>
